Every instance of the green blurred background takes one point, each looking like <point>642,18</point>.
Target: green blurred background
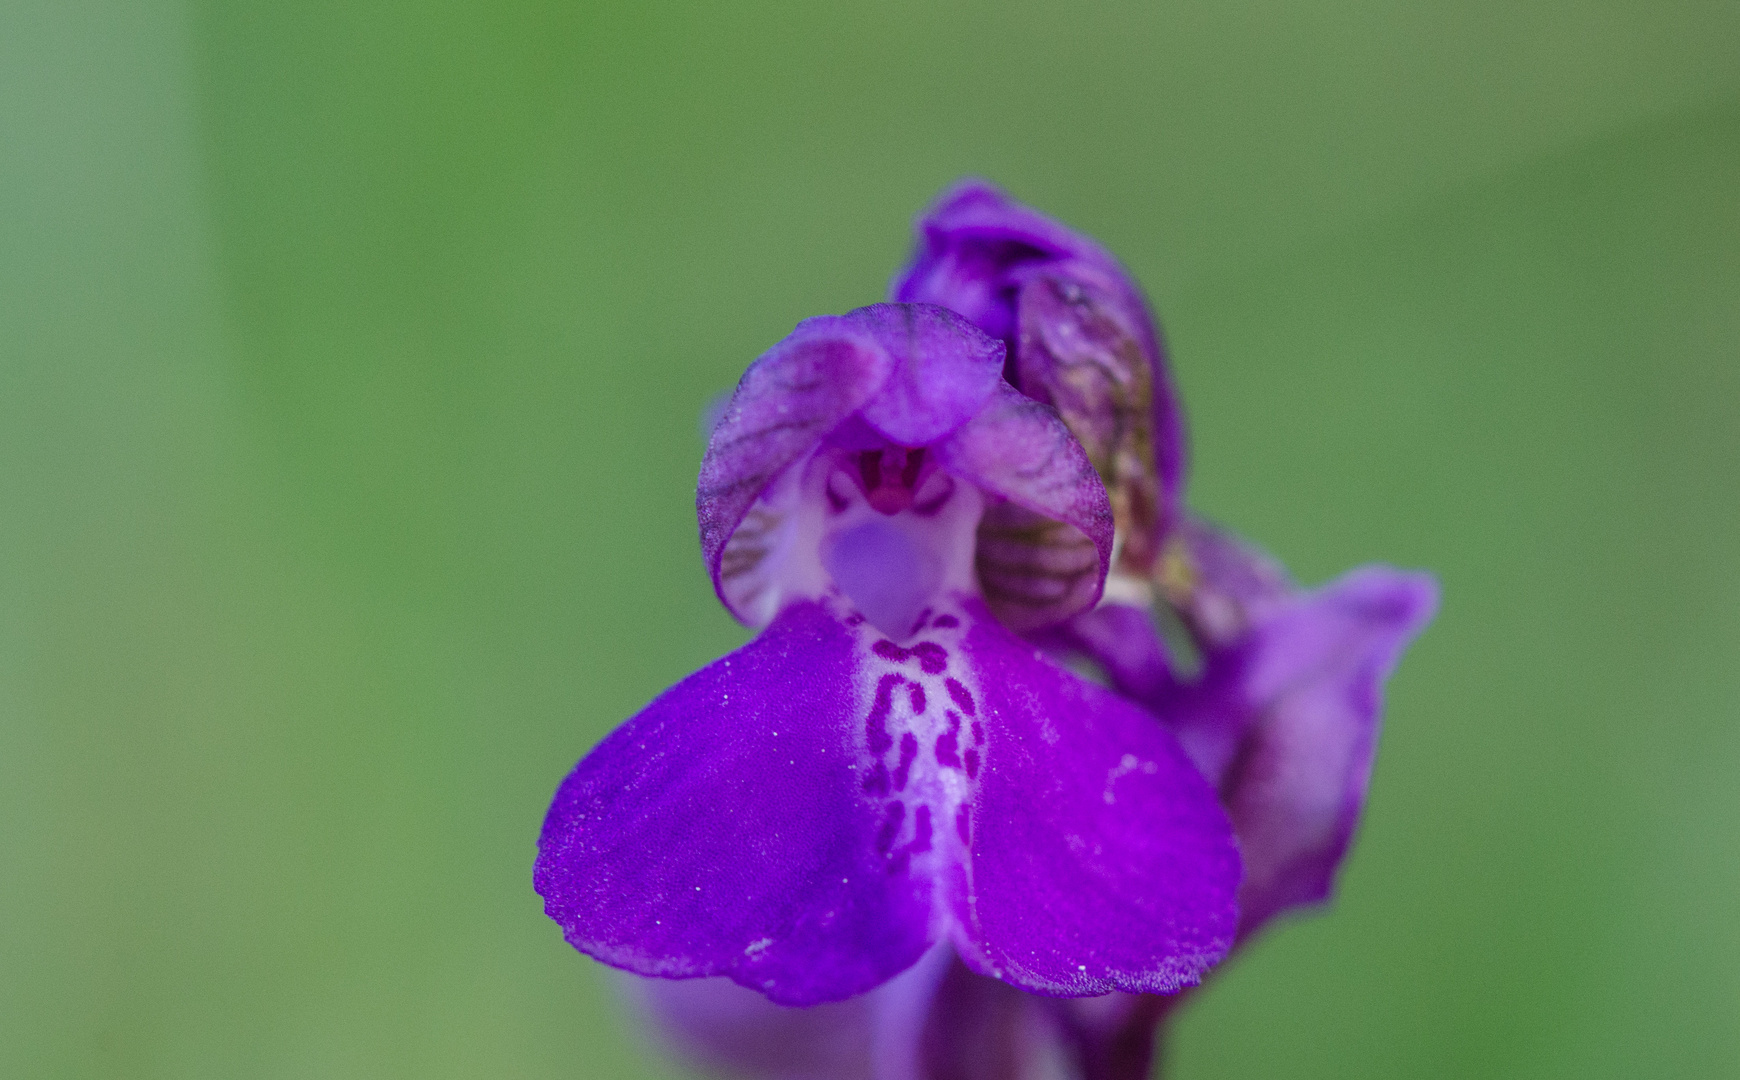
<point>351,359</point>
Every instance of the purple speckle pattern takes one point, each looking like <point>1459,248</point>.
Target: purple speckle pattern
<point>876,724</point>
<point>961,697</point>
<point>932,658</point>
<point>903,744</point>
<point>908,753</point>
<point>948,753</point>
<point>1091,821</point>
<point>786,818</point>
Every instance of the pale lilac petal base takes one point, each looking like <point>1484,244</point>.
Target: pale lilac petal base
<point>939,1021</point>
<point>718,1025</point>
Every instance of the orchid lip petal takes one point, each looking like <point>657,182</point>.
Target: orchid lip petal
<point>811,814</point>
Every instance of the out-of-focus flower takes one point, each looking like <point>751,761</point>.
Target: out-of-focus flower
<point>1278,698</point>
<point>887,771</point>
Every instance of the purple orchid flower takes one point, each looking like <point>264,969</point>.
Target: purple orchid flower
<point>1281,713</point>
<point>887,771</point>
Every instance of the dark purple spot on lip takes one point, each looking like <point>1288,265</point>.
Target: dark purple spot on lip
<point>917,693</point>
<point>919,624</point>
<point>943,622</point>
<point>921,830</point>
<point>908,751</point>
<point>972,763</point>
<point>963,823</point>
<point>978,733</point>
<point>855,619</point>
<point>961,697</point>
<point>877,782</point>
<point>933,658</point>
<point>891,822</point>
<point>947,751</point>
<point>875,725</point>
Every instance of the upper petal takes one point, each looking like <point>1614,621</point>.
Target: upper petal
<point>790,397</point>
<point>971,243</point>
<point>906,374</point>
<point>1081,350</point>
<point>943,370</point>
